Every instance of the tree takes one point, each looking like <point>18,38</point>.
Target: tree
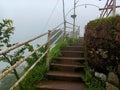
<point>6,30</point>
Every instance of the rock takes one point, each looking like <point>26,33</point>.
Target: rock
<point>113,78</point>
<point>111,87</point>
<point>118,26</point>
<point>100,75</point>
<point>119,69</point>
<point>92,71</point>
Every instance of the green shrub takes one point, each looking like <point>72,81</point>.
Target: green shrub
<point>39,71</point>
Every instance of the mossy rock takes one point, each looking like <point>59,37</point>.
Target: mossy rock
<point>103,34</point>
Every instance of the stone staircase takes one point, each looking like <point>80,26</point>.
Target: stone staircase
<point>66,72</point>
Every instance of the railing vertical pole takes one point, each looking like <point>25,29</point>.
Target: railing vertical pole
<point>65,30</point>
<point>48,53</point>
<point>78,31</point>
<point>64,18</point>
<point>114,7</point>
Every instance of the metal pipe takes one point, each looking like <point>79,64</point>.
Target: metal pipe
<point>79,6</point>
<point>6,72</point>
<point>64,19</point>
<point>27,72</point>
<point>114,7</point>
<point>21,44</point>
<point>48,53</point>
<point>74,19</point>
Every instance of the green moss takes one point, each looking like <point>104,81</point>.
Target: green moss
<point>92,83</point>
<point>105,23</point>
<point>56,50</point>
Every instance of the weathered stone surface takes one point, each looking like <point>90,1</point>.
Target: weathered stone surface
<point>111,87</point>
<point>100,75</point>
<point>113,78</point>
<point>119,69</point>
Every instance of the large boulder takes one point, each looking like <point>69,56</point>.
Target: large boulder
<point>109,86</point>
<point>119,69</point>
<point>112,77</point>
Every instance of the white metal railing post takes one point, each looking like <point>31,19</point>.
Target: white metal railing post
<point>78,31</point>
<point>48,52</point>
<point>64,30</point>
<point>114,7</point>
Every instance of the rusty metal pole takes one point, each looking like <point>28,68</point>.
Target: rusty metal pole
<point>48,52</point>
<point>78,31</point>
<point>64,21</point>
<point>114,7</point>
<point>74,20</point>
<point>65,30</point>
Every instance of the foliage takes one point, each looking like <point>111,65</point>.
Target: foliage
<point>35,76</point>
<point>6,30</point>
<point>71,40</point>
<point>111,68</point>
<point>56,50</point>
<point>92,83</point>
<point>39,71</point>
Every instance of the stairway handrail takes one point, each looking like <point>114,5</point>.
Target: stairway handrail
<point>58,38</point>
<point>54,34</point>
<point>6,72</point>
<point>58,26</point>
<point>21,44</point>
<point>27,72</point>
<point>71,24</point>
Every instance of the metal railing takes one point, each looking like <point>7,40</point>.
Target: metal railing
<point>76,32</point>
<point>110,7</point>
<point>51,41</point>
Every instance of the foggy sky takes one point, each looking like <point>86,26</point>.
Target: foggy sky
<point>31,17</point>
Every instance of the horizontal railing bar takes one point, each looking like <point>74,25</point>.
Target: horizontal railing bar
<point>58,38</point>
<point>55,34</point>
<point>27,72</point>
<point>58,26</point>
<point>6,72</point>
<point>69,27</point>
<point>71,24</point>
<point>20,44</point>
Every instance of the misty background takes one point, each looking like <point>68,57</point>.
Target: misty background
<point>34,17</point>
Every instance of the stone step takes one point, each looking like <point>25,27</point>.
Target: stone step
<point>71,58</point>
<point>68,60</point>
<point>67,67</point>
<point>67,71</point>
<point>77,44</point>
<point>73,48</point>
<point>72,53</point>
<point>60,85</point>
<point>65,75</point>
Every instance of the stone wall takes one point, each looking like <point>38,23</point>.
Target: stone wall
<point>102,40</point>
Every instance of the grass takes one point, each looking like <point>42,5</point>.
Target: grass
<point>92,83</point>
<point>56,50</point>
